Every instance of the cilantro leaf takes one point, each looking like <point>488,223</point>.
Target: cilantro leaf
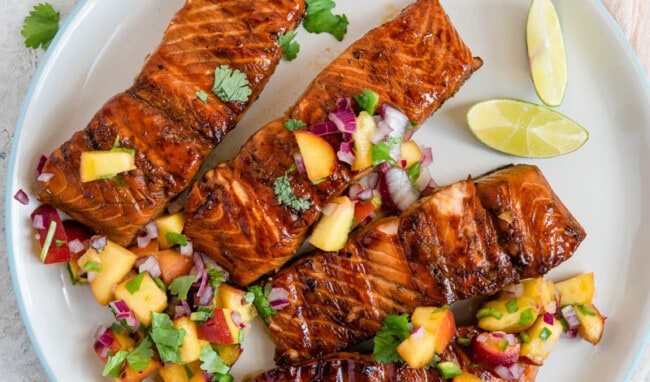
<point>381,152</point>
<point>285,195</point>
<point>393,331</point>
<point>261,301</point>
<point>175,238</point>
<point>114,363</point>
<point>212,362</point>
<point>180,286</point>
<point>230,85</point>
<point>414,174</point>
<point>40,27</point>
<point>139,358</point>
<point>216,277</point>
<point>167,339</point>
<point>290,48</point>
<point>203,96</point>
<point>294,124</point>
<point>319,18</point>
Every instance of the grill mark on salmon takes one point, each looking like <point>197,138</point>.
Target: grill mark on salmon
<point>415,62</point>
<point>451,245</point>
<point>160,116</point>
<point>354,367</point>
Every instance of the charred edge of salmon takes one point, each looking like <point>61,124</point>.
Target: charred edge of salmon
<point>355,367</point>
<point>415,61</point>
<point>160,116</point>
<point>446,247</point>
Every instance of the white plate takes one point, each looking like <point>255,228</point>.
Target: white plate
<point>605,184</point>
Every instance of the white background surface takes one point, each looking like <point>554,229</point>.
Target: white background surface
<point>17,65</point>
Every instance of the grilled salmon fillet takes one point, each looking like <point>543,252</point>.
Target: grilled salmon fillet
<point>465,240</point>
<point>161,117</point>
<point>354,367</point>
<point>414,62</point>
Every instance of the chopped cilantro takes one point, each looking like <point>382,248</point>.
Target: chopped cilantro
<point>393,331</point>
<point>261,301</point>
<point>526,317</point>
<point>138,359</point>
<point>202,314</point>
<point>160,283</point>
<point>489,312</point>
<point>414,174</point>
<point>212,362</point>
<point>511,305</point>
<point>114,363</point>
<point>319,18</point>
<point>367,101</point>
<point>116,147</point>
<point>230,85</point>
<point>175,238</point>
<point>290,48</point>
<point>180,286</point>
<point>167,339</point>
<point>381,151</point>
<point>203,96</point>
<point>294,124</point>
<point>40,27</point>
<point>285,195</point>
<point>134,284</point>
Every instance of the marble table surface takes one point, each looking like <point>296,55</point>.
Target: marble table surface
<point>18,361</point>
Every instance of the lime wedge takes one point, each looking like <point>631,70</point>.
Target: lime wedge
<point>524,129</point>
<point>546,52</point>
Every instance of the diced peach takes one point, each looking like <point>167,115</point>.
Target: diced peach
<point>464,377</point>
<point>438,321</point>
<point>175,372</point>
<point>592,323</point>
<point>148,298</point>
<point>127,374</point>
<point>491,349</point>
<point>542,339</point>
<point>220,328</point>
<point>576,290</point>
<point>410,153</point>
<point>363,209</point>
<point>362,138</point>
<point>101,164</point>
<point>173,264</point>
<point>229,353</point>
<point>331,231</point>
<point>169,223</point>
<point>510,315</point>
<point>149,250</point>
<point>116,261</point>
<point>418,349</point>
<point>232,298</point>
<point>190,349</point>
<point>317,155</point>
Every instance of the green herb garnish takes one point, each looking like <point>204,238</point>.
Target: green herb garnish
<point>319,18</point>
<point>167,339</point>
<point>368,101</point>
<point>285,195</point>
<point>448,369</point>
<point>526,317</point>
<point>180,286</point>
<point>261,301</point>
<point>488,312</point>
<point>212,362</point>
<point>40,27</point>
<point>381,151</point>
<point>176,238</point>
<point>93,266</point>
<point>138,359</point>
<point>231,85</point>
<point>134,284</point>
<point>393,331</point>
<point>512,305</point>
<point>586,310</point>
<point>290,48</point>
<point>294,124</point>
<point>202,96</point>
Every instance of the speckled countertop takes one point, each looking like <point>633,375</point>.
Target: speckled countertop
<point>18,361</point>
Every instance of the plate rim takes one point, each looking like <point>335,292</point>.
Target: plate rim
<point>68,27</point>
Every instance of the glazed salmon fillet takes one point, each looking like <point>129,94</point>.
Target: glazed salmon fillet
<point>414,62</point>
<point>161,117</point>
<point>468,239</point>
<point>354,367</point>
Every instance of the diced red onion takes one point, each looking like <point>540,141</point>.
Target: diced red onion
<point>187,249</point>
<point>397,120</point>
<point>152,230</point>
<point>207,377</point>
<point>151,266</point>
<point>123,312</point>
<point>45,177</point>
<point>345,153</point>
<point>38,222</point>
<point>408,135</point>
<point>370,180</point>
<point>399,187</point>
<point>418,333</point>
<point>354,191</point>
<point>300,163</point>
<point>571,333</point>
<point>22,197</point>
<point>344,103</point>
<point>203,277</point>
<point>236,318</point>
<point>571,317</point>
<point>427,156</point>
<point>513,372</point>
<point>143,240</point>
<point>98,242</point>
<point>206,295</point>
<point>548,318</point>
<point>344,119</point>
<point>383,130</point>
<point>90,276</point>
<point>186,307</point>
<point>402,163</point>
<point>324,128</point>
<point>278,298</point>
<point>425,182</point>
<point>75,246</point>
<point>41,164</point>
<point>513,290</point>
<point>103,341</point>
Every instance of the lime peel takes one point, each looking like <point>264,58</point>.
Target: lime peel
<point>524,129</point>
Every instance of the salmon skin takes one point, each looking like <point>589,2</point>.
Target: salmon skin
<point>465,240</point>
<point>414,62</point>
<point>161,117</point>
<point>354,367</point>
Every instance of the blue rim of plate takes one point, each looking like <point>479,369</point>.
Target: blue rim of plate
<point>65,29</point>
